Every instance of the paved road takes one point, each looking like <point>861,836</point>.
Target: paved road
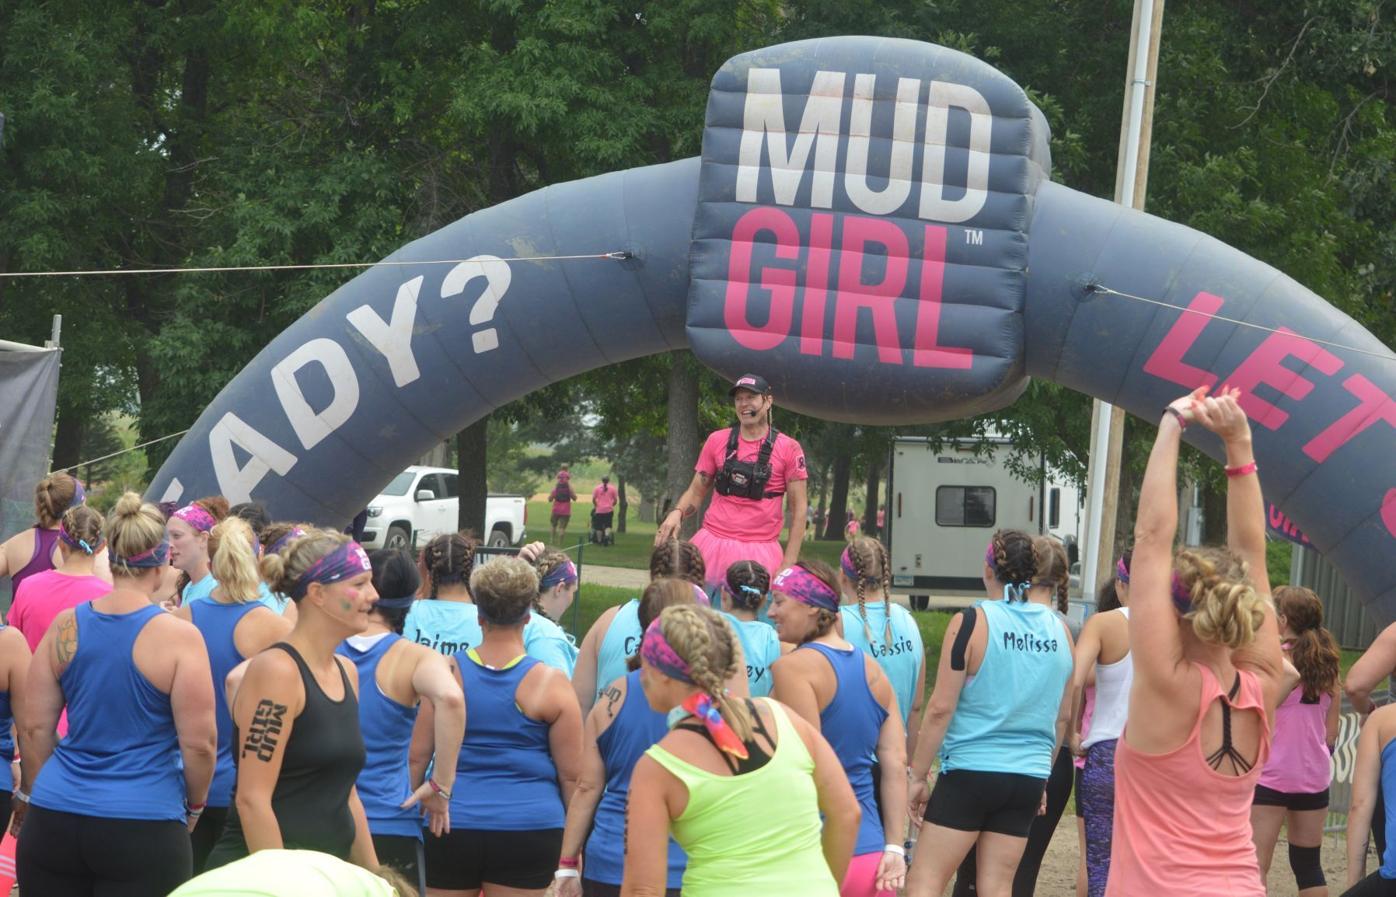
<point>618,577</point>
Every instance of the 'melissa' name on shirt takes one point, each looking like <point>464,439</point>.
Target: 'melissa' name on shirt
<point>1022,642</point>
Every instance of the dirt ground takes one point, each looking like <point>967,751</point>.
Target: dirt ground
<point>1058,876</point>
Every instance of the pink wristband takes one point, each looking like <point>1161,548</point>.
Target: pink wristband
<point>1242,470</point>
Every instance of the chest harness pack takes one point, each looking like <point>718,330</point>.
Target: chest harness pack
<point>747,479</point>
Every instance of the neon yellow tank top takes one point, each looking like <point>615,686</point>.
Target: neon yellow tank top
<point>755,834</point>
<point>268,873</point>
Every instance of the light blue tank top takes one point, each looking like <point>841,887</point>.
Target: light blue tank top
<point>1388,791</point>
<point>900,659</point>
<point>761,646</point>
<point>1006,720</point>
<point>383,783</point>
<point>635,730</point>
<point>622,640</point>
<point>120,758</point>
<point>521,794</point>
<point>217,624</point>
<point>448,627</point>
<point>550,643</point>
<point>851,723</point>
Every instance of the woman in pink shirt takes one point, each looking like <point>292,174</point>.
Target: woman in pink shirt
<point>43,596</point>
<point>1293,788</point>
<point>1208,675</point>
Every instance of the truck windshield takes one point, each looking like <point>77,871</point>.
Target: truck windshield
<point>399,485</point>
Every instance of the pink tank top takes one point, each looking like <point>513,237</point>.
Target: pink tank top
<point>1299,761</point>
<point>1181,827</point>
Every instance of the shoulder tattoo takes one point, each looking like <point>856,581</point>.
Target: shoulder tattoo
<point>66,638</point>
<point>612,696</point>
<point>265,732</point>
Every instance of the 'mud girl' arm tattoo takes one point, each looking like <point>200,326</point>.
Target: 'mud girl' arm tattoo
<point>265,731</point>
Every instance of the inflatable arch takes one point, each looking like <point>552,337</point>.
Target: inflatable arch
<point>872,226</point>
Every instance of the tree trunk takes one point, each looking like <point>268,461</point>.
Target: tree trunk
<point>472,445</point>
<point>1213,516</point>
<point>874,484</point>
<point>838,499</point>
<point>67,441</point>
<point>622,504</point>
<point>683,442</point>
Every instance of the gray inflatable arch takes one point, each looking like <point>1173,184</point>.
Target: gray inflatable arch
<point>872,225</point>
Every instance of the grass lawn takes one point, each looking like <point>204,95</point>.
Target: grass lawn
<point>632,548</point>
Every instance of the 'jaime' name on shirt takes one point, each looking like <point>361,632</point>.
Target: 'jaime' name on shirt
<point>441,646</point>
<point>1013,641</point>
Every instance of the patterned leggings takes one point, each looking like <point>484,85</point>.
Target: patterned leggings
<point>1096,798</point>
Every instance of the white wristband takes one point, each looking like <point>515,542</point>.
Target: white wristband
<point>567,873</point>
<point>895,848</point>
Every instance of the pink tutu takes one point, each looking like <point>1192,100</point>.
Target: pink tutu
<point>719,554</point>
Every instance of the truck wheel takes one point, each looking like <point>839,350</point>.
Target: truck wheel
<point>499,539</point>
<point>920,602</point>
<point>397,537</point>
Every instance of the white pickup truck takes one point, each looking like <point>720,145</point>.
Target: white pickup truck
<point>421,503</point>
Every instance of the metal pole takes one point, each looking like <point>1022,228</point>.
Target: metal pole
<point>1107,422</point>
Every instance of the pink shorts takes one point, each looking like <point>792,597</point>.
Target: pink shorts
<point>719,554</point>
<point>861,878</point>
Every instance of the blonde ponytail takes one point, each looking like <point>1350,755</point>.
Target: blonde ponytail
<point>234,563</point>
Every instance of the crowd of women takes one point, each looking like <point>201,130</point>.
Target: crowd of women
<point>208,702</point>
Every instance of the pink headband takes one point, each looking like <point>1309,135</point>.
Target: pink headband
<point>563,574</point>
<point>197,517</point>
<point>1182,595</point>
<point>347,560</point>
<point>658,653</point>
<point>846,564</point>
<point>1121,571</point>
<point>806,588</point>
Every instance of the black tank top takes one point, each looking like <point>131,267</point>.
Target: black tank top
<point>319,766</point>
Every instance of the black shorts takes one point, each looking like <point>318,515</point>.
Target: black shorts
<point>1269,797</point>
<point>602,521</point>
<point>404,854</point>
<point>464,859</point>
<point>1001,802</point>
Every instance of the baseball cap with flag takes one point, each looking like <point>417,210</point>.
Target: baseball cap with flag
<point>753,382</point>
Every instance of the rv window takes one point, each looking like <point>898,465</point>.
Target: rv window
<point>965,506</point>
<point>1054,516</point>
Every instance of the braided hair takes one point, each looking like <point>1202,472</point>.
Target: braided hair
<point>662,593</point>
<point>748,583</point>
<point>1014,562</point>
<point>449,560</point>
<point>872,566</point>
<point>708,644</point>
<point>678,558</point>
<point>1049,555</point>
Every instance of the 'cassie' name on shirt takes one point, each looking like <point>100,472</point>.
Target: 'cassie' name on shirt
<point>1013,641</point>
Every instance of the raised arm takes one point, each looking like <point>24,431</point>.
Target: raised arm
<point>1155,644</point>
<point>1245,521</point>
<point>687,505</point>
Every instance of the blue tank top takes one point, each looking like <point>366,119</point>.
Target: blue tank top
<point>7,739</point>
<point>901,659</point>
<point>384,783</point>
<point>761,647</point>
<point>1006,720</point>
<point>851,723</point>
<point>217,623</point>
<point>120,759</point>
<point>1388,791</point>
<point>449,627</point>
<point>505,777</point>
<point>635,730</point>
<point>622,640</point>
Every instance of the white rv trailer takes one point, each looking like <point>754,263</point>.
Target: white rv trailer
<point>943,504</point>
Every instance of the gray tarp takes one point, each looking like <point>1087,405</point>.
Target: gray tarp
<point>28,393</point>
